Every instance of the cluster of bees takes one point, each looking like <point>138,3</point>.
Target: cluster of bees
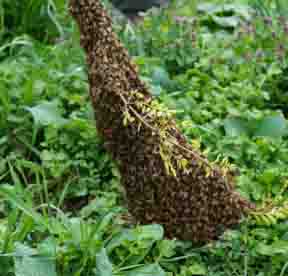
<point>192,205</point>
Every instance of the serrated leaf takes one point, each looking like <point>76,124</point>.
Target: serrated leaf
<point>47,113</point>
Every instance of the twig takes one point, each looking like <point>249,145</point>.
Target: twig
<point>170,136</point>
<point>193,153</point>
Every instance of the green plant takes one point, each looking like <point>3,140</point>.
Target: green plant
<point>38,19</point>
<point>270,8</point>
<point>63,185</point>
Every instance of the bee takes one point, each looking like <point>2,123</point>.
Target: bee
<point>190,205</point>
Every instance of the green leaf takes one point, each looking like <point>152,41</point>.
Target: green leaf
<point>47,113</point>
<point>187,8</point>
<point>160,76</point>
<point>39,266</point>
<point>103,265</point>
<point>241,10</point>
<point>235,127</point>
<point>26,265</point>
<point>104,224</point>
<point>9,194</point>
<point>274,69</point>
<point>23,250</point>
<point>156,90</point>
<point>226,22</point>
<point>206,8</point>
<point>167,248</point>
<point>152,232</point>
<point>278,247</point>
<point>146,270</point>
<point>48,247</point>
<point>197,269</point>
<point>271,126</point>
<point>268,176</point>
<point>76,230</point>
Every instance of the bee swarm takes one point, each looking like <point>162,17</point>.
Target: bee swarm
<point>192,201</point>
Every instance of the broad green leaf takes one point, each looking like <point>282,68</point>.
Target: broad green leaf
<point>160,76</point>
<point>268,176</point>
<point>146,270</point>
<point>241,10</point>
<point>156,90</point>
<point>167,248</point>
<point>274,69</point>
<point>76,230</point>
<point>47,113</point>
<point>264,249</point>
<point>103,224</point>
<point>118,239</point>
<point>206,7</point>
<point>27,264</point>
<point>256,190</point>
<point>48,247</point>
<point>271,126</point>
<point>22,250</point>
<point>226,22</point>
<point>278,247</point>
<point>152,232</point>
<point>197,269</point>
<point>34,266</point>
<point>235,127</point>
<point>103,265</point>
<point>187,8</point>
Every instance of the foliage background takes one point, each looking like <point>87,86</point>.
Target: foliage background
<point>61,205</point>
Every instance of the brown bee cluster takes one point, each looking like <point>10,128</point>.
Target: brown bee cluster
<point>192,203</point>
